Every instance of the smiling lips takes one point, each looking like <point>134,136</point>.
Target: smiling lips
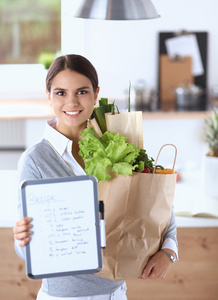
<point>72,113</point>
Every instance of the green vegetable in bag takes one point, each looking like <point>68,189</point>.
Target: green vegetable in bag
<point>111,151</point>
<point>100,111</point>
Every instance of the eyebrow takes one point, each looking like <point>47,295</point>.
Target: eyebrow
<point>80,88</point>
<point>84,87</point>
<point>57,88</point>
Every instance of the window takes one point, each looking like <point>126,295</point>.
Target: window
<point>29,28</point>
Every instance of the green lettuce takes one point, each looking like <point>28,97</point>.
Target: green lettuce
<point>110,152</point>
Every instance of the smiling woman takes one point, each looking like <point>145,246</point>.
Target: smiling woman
<point>72,102</point>
<point>72,90</point>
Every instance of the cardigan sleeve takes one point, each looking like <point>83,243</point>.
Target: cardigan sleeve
<point>170,237</point>
<point>27,169</point>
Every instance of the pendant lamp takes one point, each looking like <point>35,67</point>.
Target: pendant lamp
<point>117,10</point>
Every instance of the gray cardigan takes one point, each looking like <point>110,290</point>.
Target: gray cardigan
<point>41,161</point>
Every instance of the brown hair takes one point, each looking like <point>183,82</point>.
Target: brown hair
<point>73,62</point>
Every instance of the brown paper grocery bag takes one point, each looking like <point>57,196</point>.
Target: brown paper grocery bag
<point>137,213</point>
<point>128,124</point>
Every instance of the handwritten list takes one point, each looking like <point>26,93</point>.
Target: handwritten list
<point>66,234</point>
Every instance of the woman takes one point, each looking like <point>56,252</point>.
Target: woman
<point>72,90</point>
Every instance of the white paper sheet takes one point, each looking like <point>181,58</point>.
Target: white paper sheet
<point>186,45</point>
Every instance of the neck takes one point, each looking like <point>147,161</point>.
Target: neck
<point>72,133</point>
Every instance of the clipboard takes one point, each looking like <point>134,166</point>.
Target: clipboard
<point>201,81</point>
<point>66,232</point>
<point>173,72</point>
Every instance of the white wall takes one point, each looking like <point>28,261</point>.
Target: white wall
<point>187,134</point>
<point>128,50</point>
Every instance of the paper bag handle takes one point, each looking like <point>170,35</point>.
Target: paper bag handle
<point>159,154</point>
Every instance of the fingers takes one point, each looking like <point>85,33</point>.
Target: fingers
<point>152,273</point>
<point>147,271</point>
<point>22,235</point>
<point>24,242</point>
<point>23,221</point>
<point>22,225</point>
<point>157,267</point>
<point>22,231</point>
<point>22,228</point>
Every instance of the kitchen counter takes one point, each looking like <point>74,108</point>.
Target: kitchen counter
<point>183,129</point>
<point>25,109</point>
<point>40,109</point>
<point>175,115</point>
<point>8,201</point>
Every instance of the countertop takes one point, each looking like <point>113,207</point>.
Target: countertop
<point>40,109</point>
<point>8,203</point>
<point>25,109</point>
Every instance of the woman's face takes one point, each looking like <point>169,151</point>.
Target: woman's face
<point>72,98</point>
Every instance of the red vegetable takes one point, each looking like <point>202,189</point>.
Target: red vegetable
<point>178,178</point>
<point>146,170</point>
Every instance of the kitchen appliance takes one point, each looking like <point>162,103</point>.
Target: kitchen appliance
<point>188,96</point>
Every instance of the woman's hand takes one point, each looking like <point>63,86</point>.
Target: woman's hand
<point>22,231</point>
<point>158,265</point>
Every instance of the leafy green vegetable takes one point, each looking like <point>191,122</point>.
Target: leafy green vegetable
<point>98,167</point>
<point>143,161</point>
<point>110,152</point>
<point>89,143</point>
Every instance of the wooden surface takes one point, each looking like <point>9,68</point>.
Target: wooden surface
<point>14,284</point>
<point>194,277</point>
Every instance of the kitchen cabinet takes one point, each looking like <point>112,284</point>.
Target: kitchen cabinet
<point>193,277</point>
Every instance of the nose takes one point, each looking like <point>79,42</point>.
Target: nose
<point>73,99</point>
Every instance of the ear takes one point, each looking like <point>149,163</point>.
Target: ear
<point>48,96</point>
<point>97,92</point>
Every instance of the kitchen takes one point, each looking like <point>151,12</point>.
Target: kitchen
<point>195,275</point>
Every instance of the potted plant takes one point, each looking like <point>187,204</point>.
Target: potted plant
<point>46,59</point>
<point>211,160</point>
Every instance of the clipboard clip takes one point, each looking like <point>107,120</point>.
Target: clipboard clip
<point>182,32</point>
<point>177,57</point>
<point>102,224</point>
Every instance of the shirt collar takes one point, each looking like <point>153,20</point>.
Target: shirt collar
<point>58,140</point>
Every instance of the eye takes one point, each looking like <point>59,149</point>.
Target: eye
<point>60,93</point>
<point>82,92</point>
